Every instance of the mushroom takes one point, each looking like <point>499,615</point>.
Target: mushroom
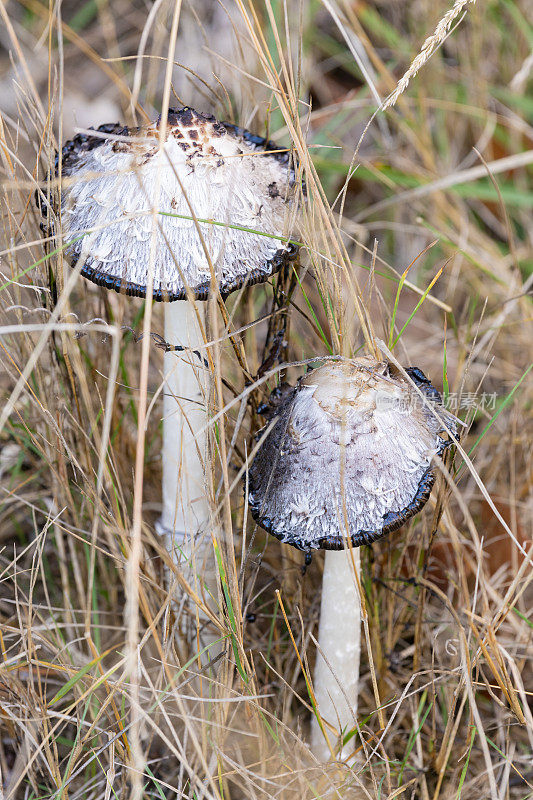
<point>348,459</point>
<point>226,198</point>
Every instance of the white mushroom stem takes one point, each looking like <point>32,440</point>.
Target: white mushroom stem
<point>339,637</point>
<point>186,518</point>
<point>186,510</point>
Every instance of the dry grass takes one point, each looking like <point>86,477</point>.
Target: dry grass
<point>101,695</point>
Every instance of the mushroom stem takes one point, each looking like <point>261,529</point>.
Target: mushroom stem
<point>187,521</point>
<point>339,638</point>
<point>186,510</point>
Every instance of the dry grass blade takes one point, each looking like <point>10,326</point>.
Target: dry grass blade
<point>428,48</point>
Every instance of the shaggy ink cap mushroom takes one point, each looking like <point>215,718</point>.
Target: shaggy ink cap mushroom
<point>350,454</point>
<point>224,173</point>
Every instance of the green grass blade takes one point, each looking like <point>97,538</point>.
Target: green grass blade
<point>413,736</point>
<point>463,771</point>
<point>313,315</point>
<point>231,613</point>
<point>412,314</point>
<point>501,408</point>
<point>77,677</point>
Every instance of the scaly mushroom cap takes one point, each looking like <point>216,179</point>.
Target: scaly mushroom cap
<point>208,169</point>
<point>349,455</point>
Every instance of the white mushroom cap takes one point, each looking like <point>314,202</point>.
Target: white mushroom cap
<point>350,455</point>
<point>224,173</point>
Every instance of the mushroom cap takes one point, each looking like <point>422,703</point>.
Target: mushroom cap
<point>349,455</point>
<point>210,170</point>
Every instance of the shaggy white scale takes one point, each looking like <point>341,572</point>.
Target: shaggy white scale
<point>352,445</point>
<point>210,171</point>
